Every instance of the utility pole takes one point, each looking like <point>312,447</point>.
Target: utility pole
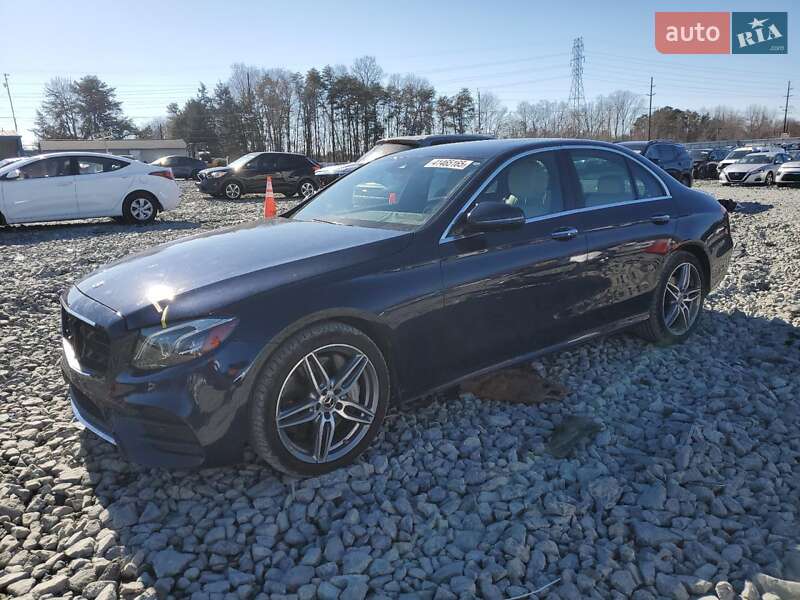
<point>650,109</point>
<point>786,108</point>
<point>8,89</point>
<point>479,110</point>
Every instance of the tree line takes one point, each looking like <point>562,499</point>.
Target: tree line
<point>336,113</point>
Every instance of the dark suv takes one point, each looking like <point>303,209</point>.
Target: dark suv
<point>388,146</point>
<point>291,174</point>
<point>184,167</point>
<point>670,156</point>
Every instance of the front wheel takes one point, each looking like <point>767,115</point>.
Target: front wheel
<point>677,302</point>
<point>233,190</point>
<point>769,179</point>
<point>320,400</point>
<point>139,209</point>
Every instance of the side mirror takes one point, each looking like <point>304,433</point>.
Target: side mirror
<point>495,216</point>
<point>13,174</point>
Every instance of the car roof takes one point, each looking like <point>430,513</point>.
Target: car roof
<point>488,149</point>
<point>77,153</point>
<point>434,139</point>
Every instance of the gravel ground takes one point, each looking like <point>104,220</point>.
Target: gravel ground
<point>691,488</point>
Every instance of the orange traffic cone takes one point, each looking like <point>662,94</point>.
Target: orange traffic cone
<point>270,210</point>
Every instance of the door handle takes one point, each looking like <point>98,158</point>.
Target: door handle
<point>660,219</point>
<point>566,233</point>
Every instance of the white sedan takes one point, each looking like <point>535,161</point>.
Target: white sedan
<point>82,185</point>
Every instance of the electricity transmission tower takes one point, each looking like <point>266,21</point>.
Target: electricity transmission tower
<point>577,100</point>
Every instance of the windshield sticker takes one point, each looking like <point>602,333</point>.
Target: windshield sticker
<point>449,163</point>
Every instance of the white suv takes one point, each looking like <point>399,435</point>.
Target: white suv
<point>80,185</point>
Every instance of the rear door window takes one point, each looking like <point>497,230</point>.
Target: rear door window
<point>646,184</point>
<point>603,177</point>
<point>91,165</point>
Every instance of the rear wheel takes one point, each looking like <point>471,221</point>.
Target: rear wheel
<point>677,302</point>
<point>139,209</point>
<point>306,188</point>
<point>320,400</point>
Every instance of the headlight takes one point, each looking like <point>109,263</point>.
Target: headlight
<point>158,348</point>
<point>217,174</point>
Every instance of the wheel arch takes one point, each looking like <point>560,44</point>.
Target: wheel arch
<point>150,195</point>
<point>698,250</point>
<point>368,323</point>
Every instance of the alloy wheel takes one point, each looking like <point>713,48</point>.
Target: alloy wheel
<point>233,191</point>
<point>683,297</point>
<point>307,188</point>
<point>142,209</point>
<point>769,179</point>
<point>327,403</point>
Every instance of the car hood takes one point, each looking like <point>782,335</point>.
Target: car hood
<point>338,169</point>
<point>197,274</point>
<point>744,167</point>
<point>213,169</point>
<point>792,164</point>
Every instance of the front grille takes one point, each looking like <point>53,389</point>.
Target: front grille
<point>90,343</point>
<point>795,176</point>
<point>736,176</point>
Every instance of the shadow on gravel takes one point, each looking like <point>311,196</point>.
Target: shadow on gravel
<point>692,479</point>
<point>752,208</point>
<point>23,235</point>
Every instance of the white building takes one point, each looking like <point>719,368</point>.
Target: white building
<point>144,150</point>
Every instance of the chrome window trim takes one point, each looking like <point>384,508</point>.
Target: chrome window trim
<point>446,237</point>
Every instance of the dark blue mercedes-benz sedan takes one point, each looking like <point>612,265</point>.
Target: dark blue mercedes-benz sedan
<point>409,275</point>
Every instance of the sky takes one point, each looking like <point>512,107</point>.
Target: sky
<point>155,53</point>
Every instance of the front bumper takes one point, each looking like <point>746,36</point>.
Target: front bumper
<point>327,178</point>
<point>792,176</point>
<point>757,177</point>
<point>189,416</point>
<point>210,185</point>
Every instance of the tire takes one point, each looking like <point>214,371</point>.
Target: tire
<point>657,329</point>
<point>139,208</point>
<point>233,190</point>
<point>193,175</point>
<point>306,187</point>
<point>284,384</point>
<point>769,179</point>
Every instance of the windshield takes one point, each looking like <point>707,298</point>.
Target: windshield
<point>738,153</point>
<point>699,153</point>
<point>243,160</point>
<point>402,191</point>
<point>382,150</point>
<point>756,159</point>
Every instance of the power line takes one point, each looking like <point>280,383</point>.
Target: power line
<point>10,101</point>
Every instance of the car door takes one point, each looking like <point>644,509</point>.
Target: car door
<point>628,216</point>
<point>44,191</point>
<point>254,173</point>
<point>509,293</point>
<point>101,185</point>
